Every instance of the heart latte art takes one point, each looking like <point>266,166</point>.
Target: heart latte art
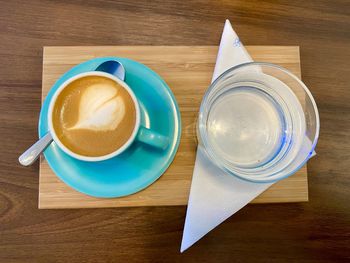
<point>94,116</point>
<point>100,109</point>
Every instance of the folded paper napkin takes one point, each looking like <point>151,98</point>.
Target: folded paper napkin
<point>215,195</point>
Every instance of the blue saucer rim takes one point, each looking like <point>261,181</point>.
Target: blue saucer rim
<point>159,172</point>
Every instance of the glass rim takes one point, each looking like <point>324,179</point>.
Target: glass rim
<point>204,104</point>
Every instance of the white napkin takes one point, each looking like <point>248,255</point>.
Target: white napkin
<point>215,195</point>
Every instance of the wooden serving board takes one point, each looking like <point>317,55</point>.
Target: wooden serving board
<point>188,71</point>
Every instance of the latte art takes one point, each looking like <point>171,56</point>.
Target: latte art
<point>100,109</point>
<point>94,116</point>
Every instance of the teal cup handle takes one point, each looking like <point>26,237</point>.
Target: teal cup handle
<point>152,138</point>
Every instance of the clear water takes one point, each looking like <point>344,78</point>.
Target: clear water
<point>246,126</point>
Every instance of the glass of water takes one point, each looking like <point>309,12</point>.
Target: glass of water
<point>259,122</point>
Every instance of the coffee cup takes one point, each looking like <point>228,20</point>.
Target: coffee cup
<point>95,116</point>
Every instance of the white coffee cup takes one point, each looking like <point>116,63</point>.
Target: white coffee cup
<point>139,133</point>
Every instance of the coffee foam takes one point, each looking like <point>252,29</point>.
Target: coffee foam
<point>100,109</point>
<point>94,116</point>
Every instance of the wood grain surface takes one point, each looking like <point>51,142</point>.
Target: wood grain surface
<point>188,71</point>
<point>316,231</point>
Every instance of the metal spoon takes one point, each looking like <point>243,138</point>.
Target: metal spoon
<point>29,156</point>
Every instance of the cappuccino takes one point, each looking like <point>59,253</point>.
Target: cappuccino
<point>94,116</point>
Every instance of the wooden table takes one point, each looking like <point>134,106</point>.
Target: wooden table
<point>317,231</point>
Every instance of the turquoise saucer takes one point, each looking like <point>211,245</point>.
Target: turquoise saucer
<point>140,165</point>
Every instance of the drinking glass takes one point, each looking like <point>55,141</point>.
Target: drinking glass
<point>259,122</point>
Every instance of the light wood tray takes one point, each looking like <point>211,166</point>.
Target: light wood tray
<point>188,71</point>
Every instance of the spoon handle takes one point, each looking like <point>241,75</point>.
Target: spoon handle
<point>30,155</point>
